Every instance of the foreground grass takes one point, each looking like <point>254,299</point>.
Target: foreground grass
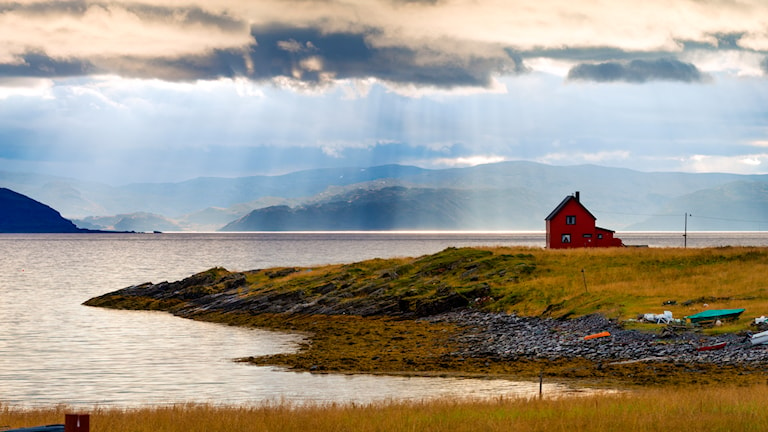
<point>705,408</point>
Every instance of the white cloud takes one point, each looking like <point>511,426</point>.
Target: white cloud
<point>739,164</point>
<point>458,162</point>
<point>640,26</point>
<point>246,88</point>
<point>138,88</point>
<point>418,91</point>
<point>356,88</point>
<point>550,66</point>
<point>113,29</point>
<point>336,148</point>
<point>576,157</point>
<point>27,87</point>
<point>742,63</point>
<point>756,40</point>
<point>293,46</point>
<point>459,29</point>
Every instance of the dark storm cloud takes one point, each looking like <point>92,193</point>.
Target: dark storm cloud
<point>313,56</point>
<point>637,71</point>
<point>285,51</point>
<point>306,55</point>
<point>729,40</point>
<point>309,56</point>
<point>218,64</point>
<point>722,41</point>
<point>39,65</point>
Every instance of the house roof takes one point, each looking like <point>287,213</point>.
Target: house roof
<point>563,203</point>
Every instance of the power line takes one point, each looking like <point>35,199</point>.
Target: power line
<point>637,214</point>
<point>728,219</point>
<point>678,215</point>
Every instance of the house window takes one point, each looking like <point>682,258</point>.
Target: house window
<point>570,220</point>
<point>565,238</point>
<point>587,235</point>
<point>599,236</point>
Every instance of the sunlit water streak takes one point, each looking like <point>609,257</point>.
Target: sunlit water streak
<point>54,350</point>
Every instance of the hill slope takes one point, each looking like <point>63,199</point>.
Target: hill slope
<point>736,206</point>
<point>401,208</point>
<point>21,214</point>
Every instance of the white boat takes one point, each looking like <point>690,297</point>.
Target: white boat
<point>759,338</point>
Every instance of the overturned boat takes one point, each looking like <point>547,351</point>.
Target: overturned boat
<point>759,338</point>
<point>715,314</point>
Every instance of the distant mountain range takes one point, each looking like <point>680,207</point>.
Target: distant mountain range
<point>400,208</point>
<point>502,196</point>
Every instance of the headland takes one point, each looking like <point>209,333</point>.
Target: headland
<point>496,312</point>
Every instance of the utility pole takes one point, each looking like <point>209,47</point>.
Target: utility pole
<point>685,233</point>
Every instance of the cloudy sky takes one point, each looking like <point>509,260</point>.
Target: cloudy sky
<point>167,90</point>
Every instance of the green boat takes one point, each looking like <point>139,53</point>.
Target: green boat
<point>714,315</point>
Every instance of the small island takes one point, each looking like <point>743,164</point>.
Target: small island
<point>497,312</point>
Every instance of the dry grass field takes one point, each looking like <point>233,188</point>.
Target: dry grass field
<point>723,408</point>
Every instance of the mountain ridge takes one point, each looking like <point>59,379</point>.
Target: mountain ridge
<point>621,198</point>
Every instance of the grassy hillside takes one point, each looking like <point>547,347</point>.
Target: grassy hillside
<point>619,283</point>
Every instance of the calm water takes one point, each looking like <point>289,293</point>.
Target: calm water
<point>54,350</point>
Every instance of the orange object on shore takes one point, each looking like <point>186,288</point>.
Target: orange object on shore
<point>597,335</point>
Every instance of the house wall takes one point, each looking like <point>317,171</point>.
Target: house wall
<point>581,233</point>
<point>607,240</point>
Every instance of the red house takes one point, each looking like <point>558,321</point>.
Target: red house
<point>571,225</point>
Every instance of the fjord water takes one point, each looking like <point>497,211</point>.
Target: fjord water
<point>54,350</point>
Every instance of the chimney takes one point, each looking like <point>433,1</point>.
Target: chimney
<point>576,195</point>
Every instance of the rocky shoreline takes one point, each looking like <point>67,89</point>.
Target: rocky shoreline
<point>507,337</point>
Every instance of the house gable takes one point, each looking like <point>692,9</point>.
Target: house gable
<point>565,203</point>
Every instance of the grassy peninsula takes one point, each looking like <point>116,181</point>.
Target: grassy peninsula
<point>379,316</point>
